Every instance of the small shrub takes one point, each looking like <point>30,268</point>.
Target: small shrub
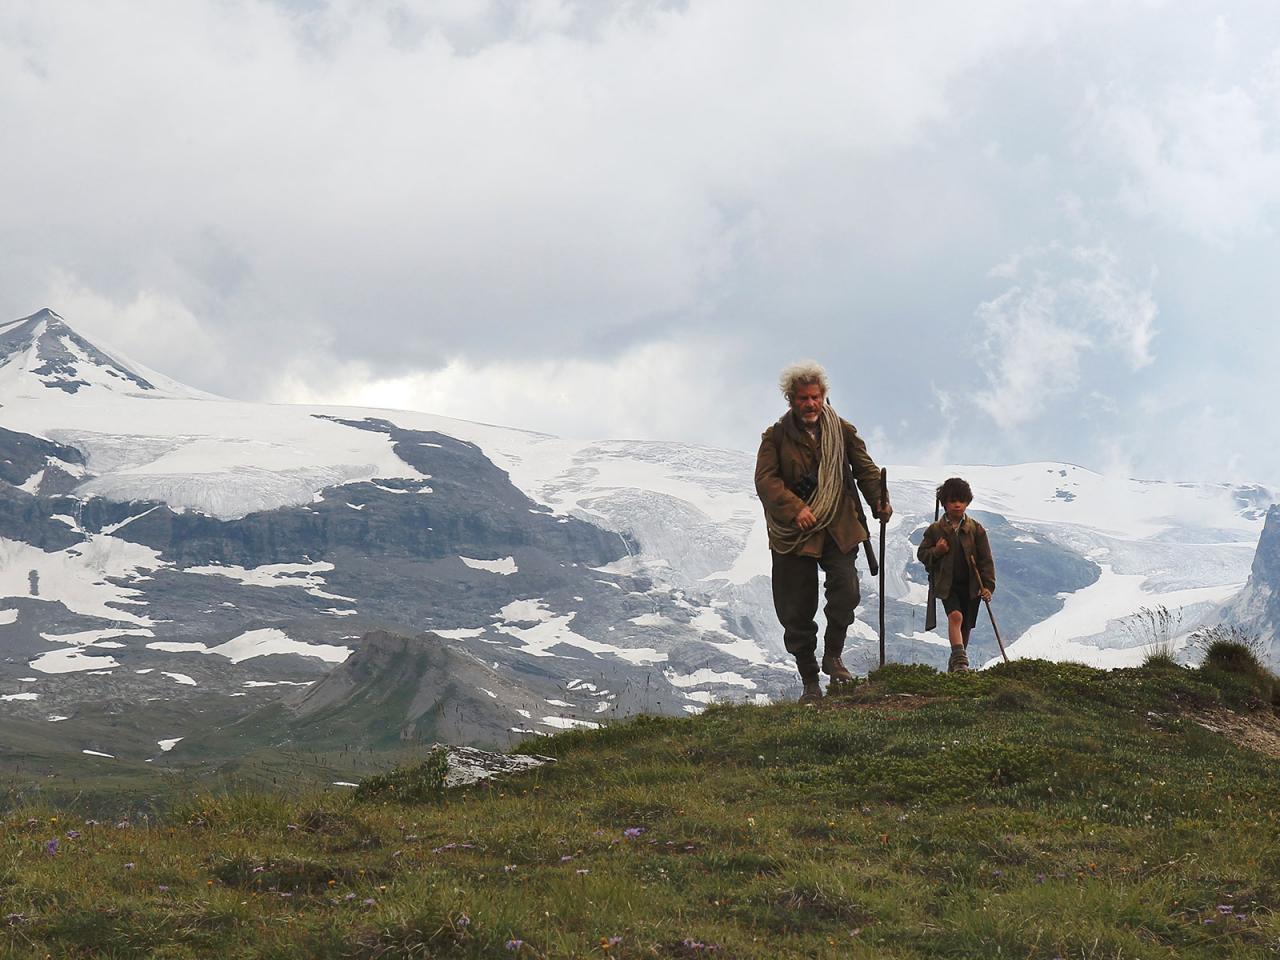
<point>415,784</point>
<point>1160,660</point>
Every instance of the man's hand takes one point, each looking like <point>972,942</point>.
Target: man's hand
<point>985,594</point>
<point>941,547</point>
<point>886,511</point>
<point>805,519</point>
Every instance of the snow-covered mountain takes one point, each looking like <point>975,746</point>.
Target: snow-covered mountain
<point>159,542</point>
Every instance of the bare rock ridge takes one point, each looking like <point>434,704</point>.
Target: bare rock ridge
<point>1257,608</point>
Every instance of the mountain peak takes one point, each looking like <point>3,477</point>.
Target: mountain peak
<point>43,347</point>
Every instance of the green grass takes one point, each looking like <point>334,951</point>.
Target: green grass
<point>1033,810</point>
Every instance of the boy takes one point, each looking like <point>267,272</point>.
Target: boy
<point>948,547</point>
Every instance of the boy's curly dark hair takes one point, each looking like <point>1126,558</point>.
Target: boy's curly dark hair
<point>955,489</point>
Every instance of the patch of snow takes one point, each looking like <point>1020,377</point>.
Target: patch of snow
<point>169,744</point>
<point>32,483</point>
<point>504,566</point>
<point>344,783</point>
<point>278,683</point>
<point>55,718</point>
<point>178,646</point>
<point>489,693</point>
<point>702,696</point>
<point>260,643</point>
<point>8,616</point>
<point>302,575</point>
<point>559,703</point>
<point>462,634</point>
<point>568,723</point>
<point>70,660</point>
<point>88,638</point>
<point>181,678</point>
<point>551,630</point>
<point>80,576</point>
<point>705,675</point>
<point>10,697</point>
<point>1093,612</point>
<point>98,753</point>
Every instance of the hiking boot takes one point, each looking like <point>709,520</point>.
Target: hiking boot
<point>812,694</point>
<point>834,668</point>
<point>959,662</point>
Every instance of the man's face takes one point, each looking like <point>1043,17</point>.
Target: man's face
<point>806,403</point>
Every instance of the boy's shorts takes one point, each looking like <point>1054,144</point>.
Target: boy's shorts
<point>969,607</point>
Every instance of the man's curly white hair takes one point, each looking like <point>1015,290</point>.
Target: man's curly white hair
<point>800,374</point>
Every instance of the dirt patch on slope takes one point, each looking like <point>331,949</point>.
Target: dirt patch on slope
<point>1257,731</point>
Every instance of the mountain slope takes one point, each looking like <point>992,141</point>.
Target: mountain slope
<point>168,543</point>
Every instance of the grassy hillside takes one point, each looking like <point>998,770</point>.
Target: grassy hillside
<point>1033,810</point>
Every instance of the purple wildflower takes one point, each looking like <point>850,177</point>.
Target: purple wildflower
<point>130,865</point>
<point>73,834</point>
<point>513,945</point>
<point>1225,908</point>
<point>51,846</point>
<point>633,831</point>
<point>368,902</point>
<point>582,871</point>
<point>163,888</point>
<point>566,858</point>
<point>463,922</point>
<point>614,941</point>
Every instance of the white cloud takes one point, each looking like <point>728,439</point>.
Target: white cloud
<point>1039,332</point>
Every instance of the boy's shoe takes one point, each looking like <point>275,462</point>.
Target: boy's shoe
<point>834,667</point>
<point>812,694</point>
<point>959,662</point>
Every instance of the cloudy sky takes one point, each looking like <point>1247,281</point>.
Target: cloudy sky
<point>1011,230</point>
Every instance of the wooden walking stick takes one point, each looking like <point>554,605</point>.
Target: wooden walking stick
<point>931,605</point>
<point>973,565</point>
<point>884,497</point>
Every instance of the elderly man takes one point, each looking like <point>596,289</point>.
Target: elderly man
<point>805,470</point>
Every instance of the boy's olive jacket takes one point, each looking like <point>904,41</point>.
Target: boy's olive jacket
<point>787,454</point>
<point>972,543</point>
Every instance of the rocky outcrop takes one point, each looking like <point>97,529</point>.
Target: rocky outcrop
<point>1257,608</point>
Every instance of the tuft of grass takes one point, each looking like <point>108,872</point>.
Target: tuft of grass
<point>418,783</point>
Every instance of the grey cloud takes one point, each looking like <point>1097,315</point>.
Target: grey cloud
<point>323,195</point>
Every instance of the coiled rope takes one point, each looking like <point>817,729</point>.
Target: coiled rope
<point>825,499</point>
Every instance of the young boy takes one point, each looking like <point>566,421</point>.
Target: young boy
<point>949,550</point>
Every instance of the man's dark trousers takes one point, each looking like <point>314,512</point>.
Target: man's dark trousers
<point>795,599</point>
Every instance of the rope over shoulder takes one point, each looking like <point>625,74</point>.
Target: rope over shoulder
<point>825,499</point>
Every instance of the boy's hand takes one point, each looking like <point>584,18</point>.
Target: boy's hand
<point>941,547</point>
<point>985,594</point>
<point>805,519</point>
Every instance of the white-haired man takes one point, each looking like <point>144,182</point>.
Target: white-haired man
<point>805,471</point>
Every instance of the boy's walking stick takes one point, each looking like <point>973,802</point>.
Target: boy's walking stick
<point>931,605</point>
<point>973,565</point>
<point>884,497</point>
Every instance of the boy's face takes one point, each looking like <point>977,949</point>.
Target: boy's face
<point>955,509</point>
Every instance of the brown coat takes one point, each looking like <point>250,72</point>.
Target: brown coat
<point>787,453</point>
<point>973,543</point>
